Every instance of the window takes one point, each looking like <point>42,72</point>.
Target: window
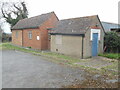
<point>58,39</point>
<point>30,34</point>
<point>16,34</point>
<point>38,37</point>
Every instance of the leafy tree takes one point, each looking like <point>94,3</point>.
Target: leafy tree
<point>13,12</point>
<point>112,42</point>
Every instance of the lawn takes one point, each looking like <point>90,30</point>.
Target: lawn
<point>111,55</point>
<point>67,60</point>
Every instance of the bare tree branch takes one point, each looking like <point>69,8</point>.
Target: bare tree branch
<point>18,8</point>
<point>13,12</point>
<point>3,13</point>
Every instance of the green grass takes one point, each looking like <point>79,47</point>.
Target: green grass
<point>114,66</point>
<point>0,46</point>
<point>61,58</point>
<point>111,69</point>
<point>66,60</point>
<point>11,47</point>
<point>57,56</point>
<point>111,55</point>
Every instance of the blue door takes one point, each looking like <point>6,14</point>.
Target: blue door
<point>95,44</point>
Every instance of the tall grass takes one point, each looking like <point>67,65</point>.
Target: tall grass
<point>111,55</point>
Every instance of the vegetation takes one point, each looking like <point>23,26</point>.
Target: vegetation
<point>11,47</point>
<point>66,60</point>
<point>112,42</point>
<point>13,12</point>
<point>6,37</point>
<point>111,55</point>
<point>47,54</point>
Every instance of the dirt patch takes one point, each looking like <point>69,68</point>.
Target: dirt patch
<point>96,62</point>
<point>93,84</point>
<point>90,82</point>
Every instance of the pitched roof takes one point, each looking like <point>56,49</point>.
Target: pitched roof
<point>75,25</point>
<point>33,22</point>
<point>108,26</point>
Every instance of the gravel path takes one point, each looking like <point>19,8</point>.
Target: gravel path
<point>96,62</point>
<point>24,70</point>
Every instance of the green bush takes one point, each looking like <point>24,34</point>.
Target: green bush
<point>28,47</point>
<point>112,42</point>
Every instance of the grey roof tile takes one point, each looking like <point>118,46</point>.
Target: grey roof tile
<point>32,22</point>
<point>75,25</point>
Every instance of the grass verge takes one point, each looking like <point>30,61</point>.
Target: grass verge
<point>64,60</point>
<point>111,55</point>
<point>59,57</point>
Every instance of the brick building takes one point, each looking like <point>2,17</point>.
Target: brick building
<point>33,32</point>
<point>80,37</point>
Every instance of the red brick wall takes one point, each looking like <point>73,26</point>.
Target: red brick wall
<point>50,23</point>
<point>33,43</point>
<point>17,40</point>
<point>42,32</point>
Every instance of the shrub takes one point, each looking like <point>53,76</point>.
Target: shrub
<point>112,42</point>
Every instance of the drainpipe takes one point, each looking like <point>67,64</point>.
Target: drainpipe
<point>82,45</point>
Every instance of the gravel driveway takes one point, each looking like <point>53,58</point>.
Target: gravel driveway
<point>24,70</point>
<point>97,62</point>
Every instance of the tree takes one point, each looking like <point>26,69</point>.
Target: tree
<point>112,42</point>
<point>14,11</point>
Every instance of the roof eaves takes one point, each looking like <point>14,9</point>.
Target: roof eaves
<point>25,28</point>
<point>67,34</point>
<point>110,23</point>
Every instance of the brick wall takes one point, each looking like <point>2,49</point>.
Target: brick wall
<point>50,23</point>
<point>17,40</point>
<point>42,32</point>
<point>33,43</point>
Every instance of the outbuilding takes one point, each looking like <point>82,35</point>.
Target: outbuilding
<point>81,37</point>
<point>33,32</point>
<point>111,26</point>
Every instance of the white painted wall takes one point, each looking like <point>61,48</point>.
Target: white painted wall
<point>95,31</point>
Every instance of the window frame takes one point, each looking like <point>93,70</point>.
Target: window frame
<point>16,34</point>
<point>30,34</point>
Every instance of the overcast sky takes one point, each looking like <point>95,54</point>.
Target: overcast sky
<point>107,10</point>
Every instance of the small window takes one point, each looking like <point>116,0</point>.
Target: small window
<point>38,37</point>
<point>58,39</point>
<point>16,34</point>
<point>30,34</point>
